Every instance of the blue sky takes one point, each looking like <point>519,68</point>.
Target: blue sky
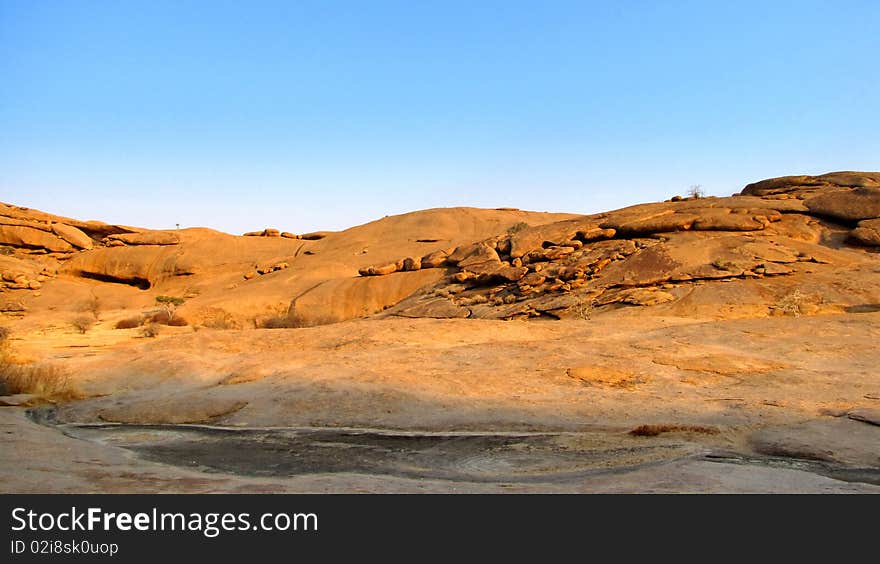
<point>327,114</point>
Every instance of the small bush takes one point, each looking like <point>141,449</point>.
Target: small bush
<point>4,334</point>
<point>83,323</point>
<point>169,305</point>
<point>129,322</point>
<point>150,330</point>
<point>170,300</point>
<point>4,250</point>
<point>177,322</point>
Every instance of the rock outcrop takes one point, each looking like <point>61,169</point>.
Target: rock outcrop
<point>649,254</point>
<point>160,238</point>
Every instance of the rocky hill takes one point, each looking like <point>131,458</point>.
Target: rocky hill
<point>796,244</point>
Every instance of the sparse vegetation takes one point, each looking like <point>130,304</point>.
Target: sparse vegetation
<point>165,318</point>
<point>47,382</point>
<point>83,323</point>
<point>281,322</point>
<point>150,330</point>
<point>583,308</point>
<point>129,322</point>
<point>177,322</point>
<point>517,227</point>
<point>797,303</point>
<point>91,305</point>
<point>292,321</point>
<point>5,250</point>
<point>218,318</point>
<point>170,305</point>
<point>696,191</point>
<point>654,430</point>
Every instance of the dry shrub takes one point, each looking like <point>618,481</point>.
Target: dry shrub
<point>83,323</point>
<point>166,318</point>
<point>796,303</point>
<point>160,317</point>
<point>654,430</point>
<point>293,321</point>
<point>281,322</point>
<point>45,381</point>
<point>5,332</point>
<point>517,227</point>
<point>150,330</point>
<point>217,318</point>
<point>91,305</point>
<point>129,322</point>
<point>584,307</point>
<point>177,321</point>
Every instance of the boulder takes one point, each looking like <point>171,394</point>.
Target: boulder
<point>848,205</point>
<point>645,297</point>
<point>852,179</point>
<point>595,234</point>
<point>724,219</point>
<point>435,259</point>
<point>314,236</point>
<point>807,184</point>
<point>382,270</point>
<point>411,264</point>
<point>147,238</point>
<point>779,185</point>
<point>30,237</point>
<point>482,253</point>
<point>73,236</point>
<point>533,279</point>
<point>462,252</point>
<point>867,232</point>
<point>552,234</point>
<point>663,222</point>
<point>489,271</point>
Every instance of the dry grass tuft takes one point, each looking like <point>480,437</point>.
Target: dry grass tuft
<point>218,318</point>
<point>293,321</point>
<point>46,381</point>
<point>654,430</point>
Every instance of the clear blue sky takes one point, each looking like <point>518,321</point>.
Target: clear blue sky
<point>309,115</point>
